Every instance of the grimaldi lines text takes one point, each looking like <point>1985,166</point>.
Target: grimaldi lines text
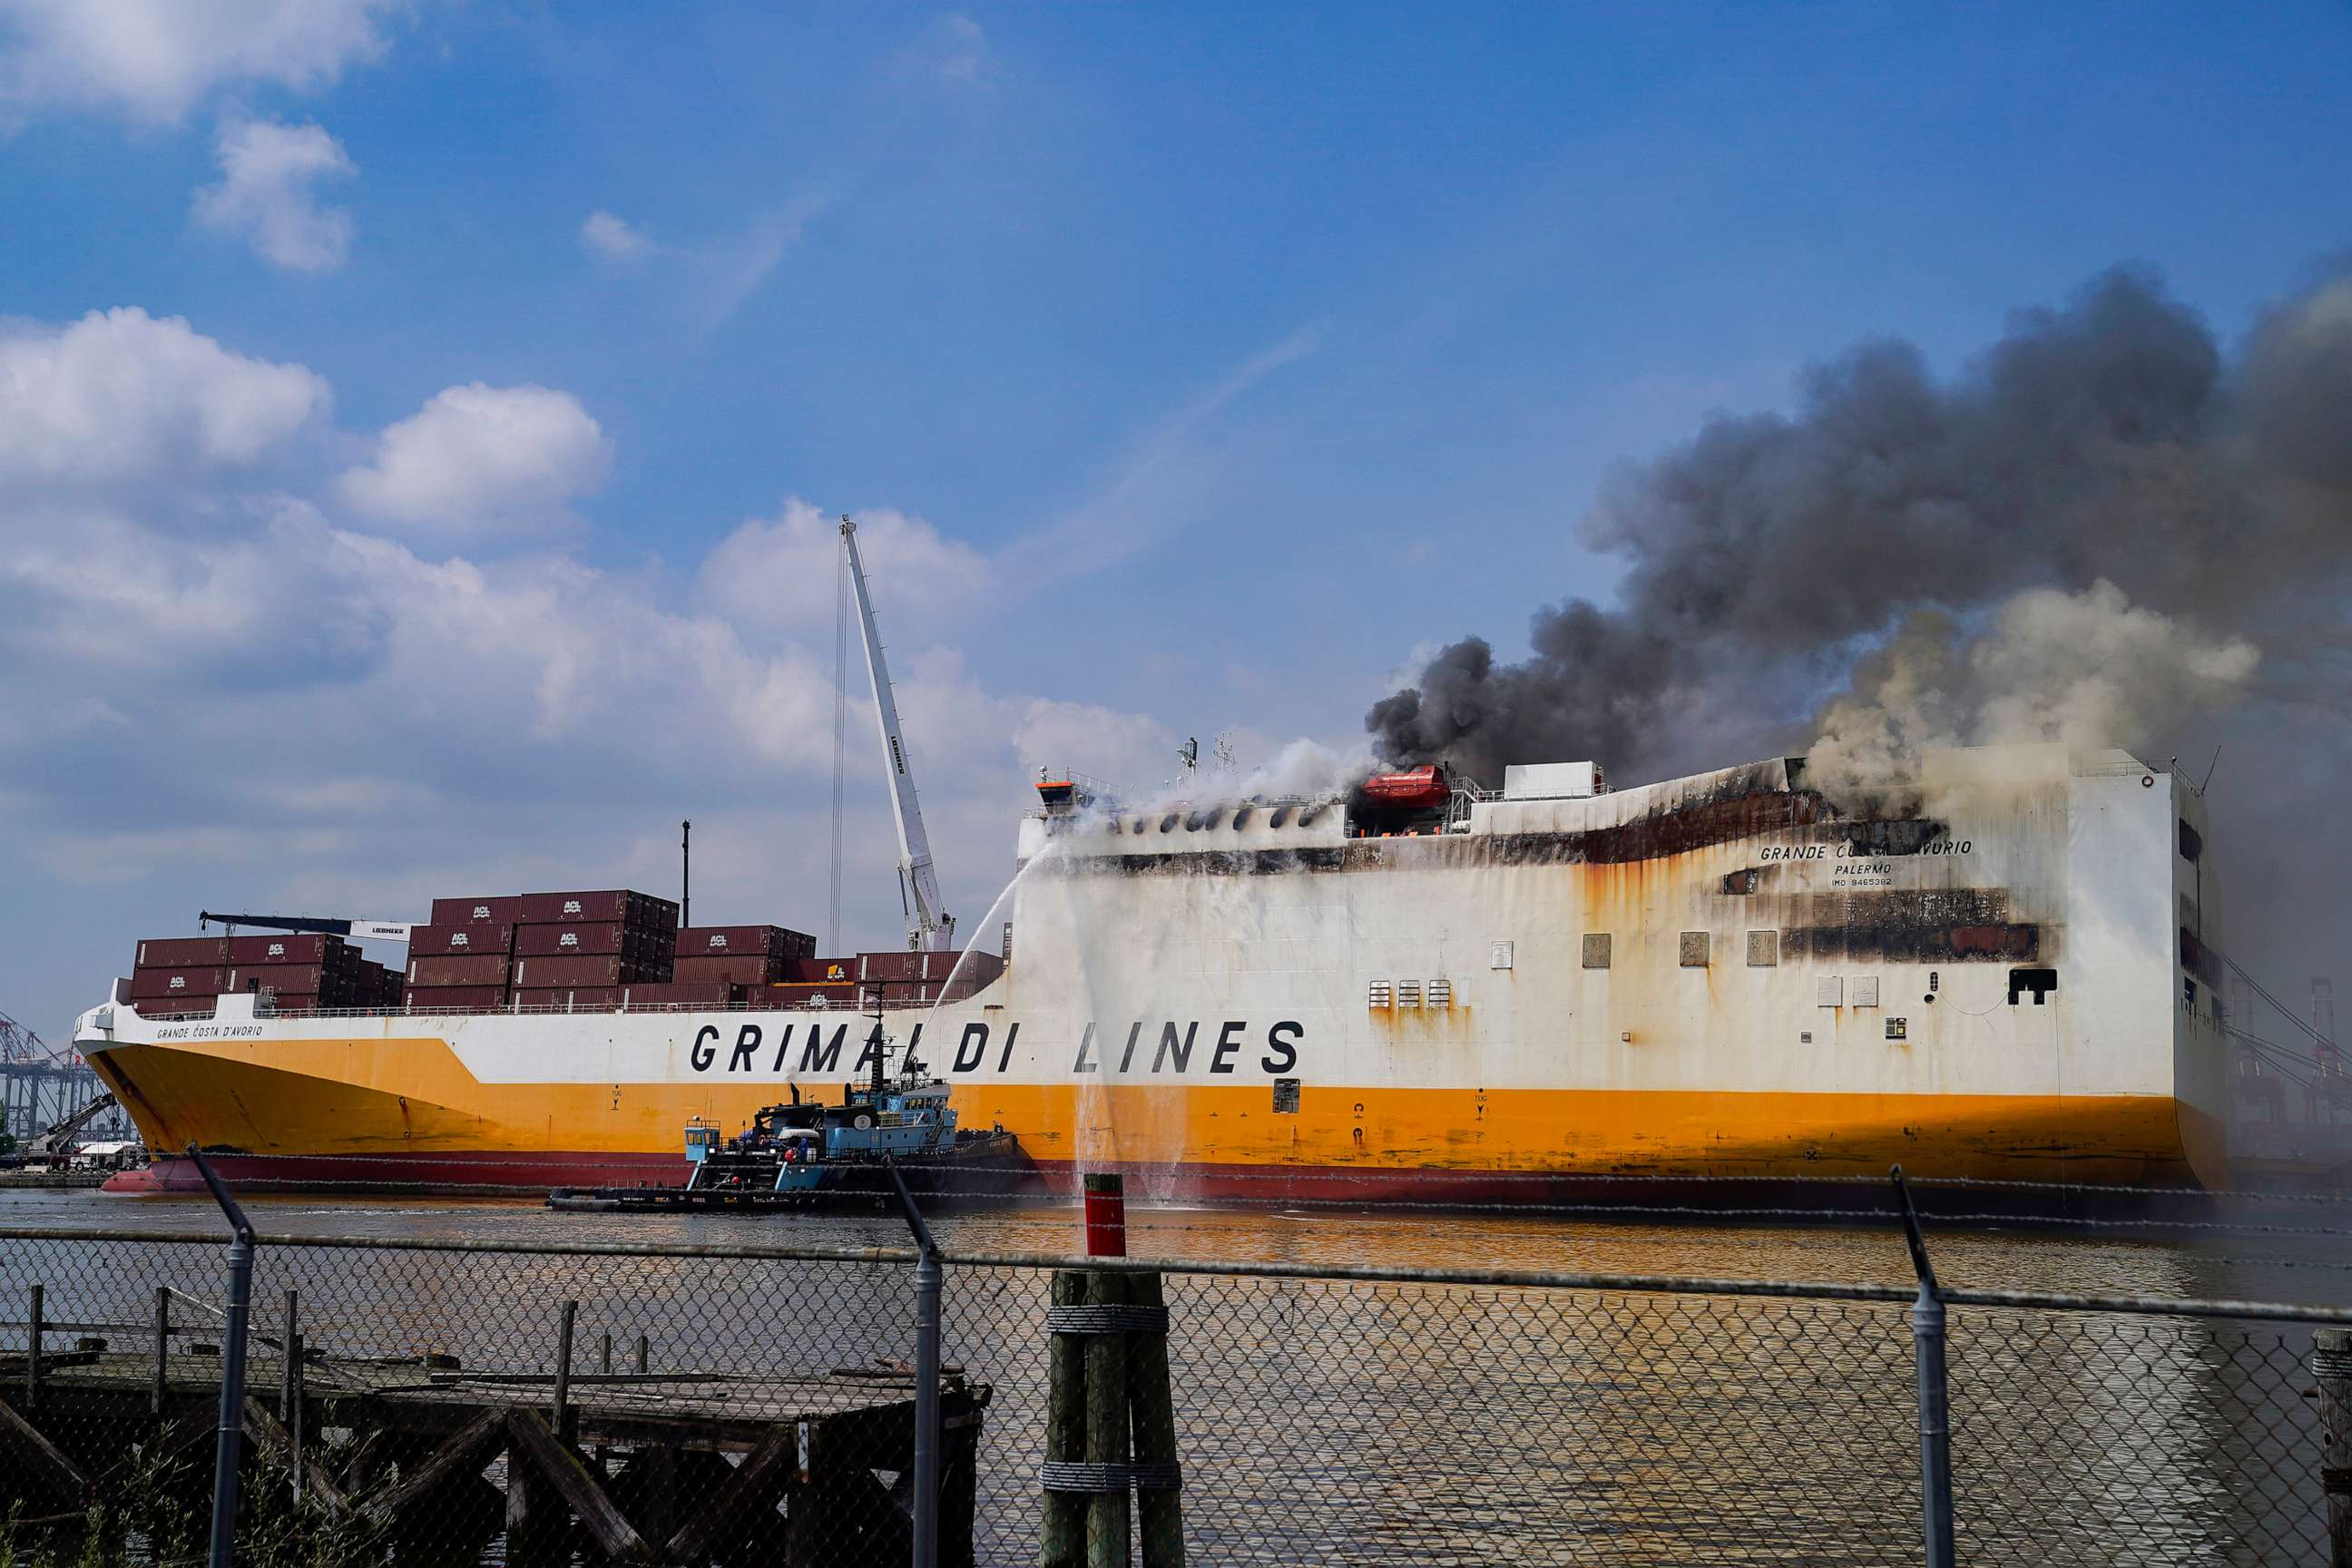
<point>2002,968</point>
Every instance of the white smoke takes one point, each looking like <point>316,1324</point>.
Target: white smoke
<point>2083,670</point>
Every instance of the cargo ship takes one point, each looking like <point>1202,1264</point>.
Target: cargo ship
<point>2003,967</point>
<point>2006,970</point>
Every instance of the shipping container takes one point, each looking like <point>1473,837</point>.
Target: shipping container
<point>890,966</point>
<point>734,941</point>
<point>593,969</point>
<point>278,977</point>
<point>176,981</point>
<point>562,940</point>
<point>621,904</point>
<point>578,999</point>
<point>503,911</point>
<point>684,994</point>
<point>293,947</point>
<point>183,952</point>
<point>459,969</point>
<point>470,998</point>
<point>434,940</point>
<point>748,969</point>
<point>816,971</point>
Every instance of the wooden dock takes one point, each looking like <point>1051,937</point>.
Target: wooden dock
<point>624,1467</point>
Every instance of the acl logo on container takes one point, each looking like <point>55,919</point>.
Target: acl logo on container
<point>569,939</point>
<point>570,906</point>
<point>481,911</point>
<point>718,939</point>
<point>458,939</point>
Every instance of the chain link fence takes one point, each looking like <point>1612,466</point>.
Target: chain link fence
<point>759,1405</point>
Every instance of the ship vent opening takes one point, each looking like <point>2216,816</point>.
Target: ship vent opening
<point>1381,995</point>
<point>1408,993</point>
<point>1763,949</point>
<point>1596,949</point>
<point>1440,992</point>
<point>1694,949</point>
<point>2036,982</point>
<point>1286,1097</point>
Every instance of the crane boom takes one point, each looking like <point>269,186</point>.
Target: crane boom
<point>930,928</point>
<point>367,931</point>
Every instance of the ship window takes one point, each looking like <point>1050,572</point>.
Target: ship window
<point>2189,993</point>
<point>2193,843</point>
<point>1763,949</point>
<point>1898,1029</point>
<point>1286,1097</point>
<point>1596,949</point>
<point>1693,949</point>
<point>1501,954</point>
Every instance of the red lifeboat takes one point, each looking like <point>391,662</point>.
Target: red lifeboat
<point>1410,789</point>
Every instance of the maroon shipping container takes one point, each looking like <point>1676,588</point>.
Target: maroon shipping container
<point>890,966</point>
<point>278,977</point>
<point>578,998</point>
<point>734,941</point>
<point>629,907</point>
<point>175,982</point>
<point>459,969</point>
<point>815,971</point>
<point>475,911</point>
<point>747,969</point>
<point>293,947</point>
<point>199,1004</point>
<point>475,999</point>
<point>591,936</point>
<point>434,940</point>
<point>183,952</point>
<point>592,969</point>
<point>684,994</point>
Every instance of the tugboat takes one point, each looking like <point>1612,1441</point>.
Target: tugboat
<point>807,1153</point>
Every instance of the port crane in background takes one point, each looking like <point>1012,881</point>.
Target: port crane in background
<point>58,1141</point>
<point>44,1086</point>
<point>930,928</point>
<point>365,931</point>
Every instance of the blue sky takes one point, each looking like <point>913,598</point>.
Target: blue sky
<point>441,510</point>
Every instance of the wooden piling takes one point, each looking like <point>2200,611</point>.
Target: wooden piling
<point>1158,1509</point>
<point>2331,1368</point>
<point>1061,1539</point>
<point>33,1353</point>
<point>563,1370</point>
<point>1107,1513</point>
<point>162,1349</point>
<point>294,1386</point>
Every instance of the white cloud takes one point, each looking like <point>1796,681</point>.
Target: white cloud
<point>119,394</point>
<point>267,194</point>
<point>155,59</point>
<point>779,571</point>
<point>613,237</point>
<point>477,457</point>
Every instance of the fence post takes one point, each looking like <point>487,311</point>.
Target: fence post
<point>1935,1404</point>
<point>563,1370</point>
<point>33,1335</point>
<point>163,1346</point>
<point>2331,1367</point>
<point>232,1394</point>
<point>925,1460</point>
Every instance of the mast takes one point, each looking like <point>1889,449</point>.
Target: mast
<point>930,928</point>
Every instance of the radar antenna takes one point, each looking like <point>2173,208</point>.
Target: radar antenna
<point>930,928</point>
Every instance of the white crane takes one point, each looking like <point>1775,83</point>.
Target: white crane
<point>930,928</point>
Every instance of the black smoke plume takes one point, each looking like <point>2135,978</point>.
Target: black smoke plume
<point>2106,466</point>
